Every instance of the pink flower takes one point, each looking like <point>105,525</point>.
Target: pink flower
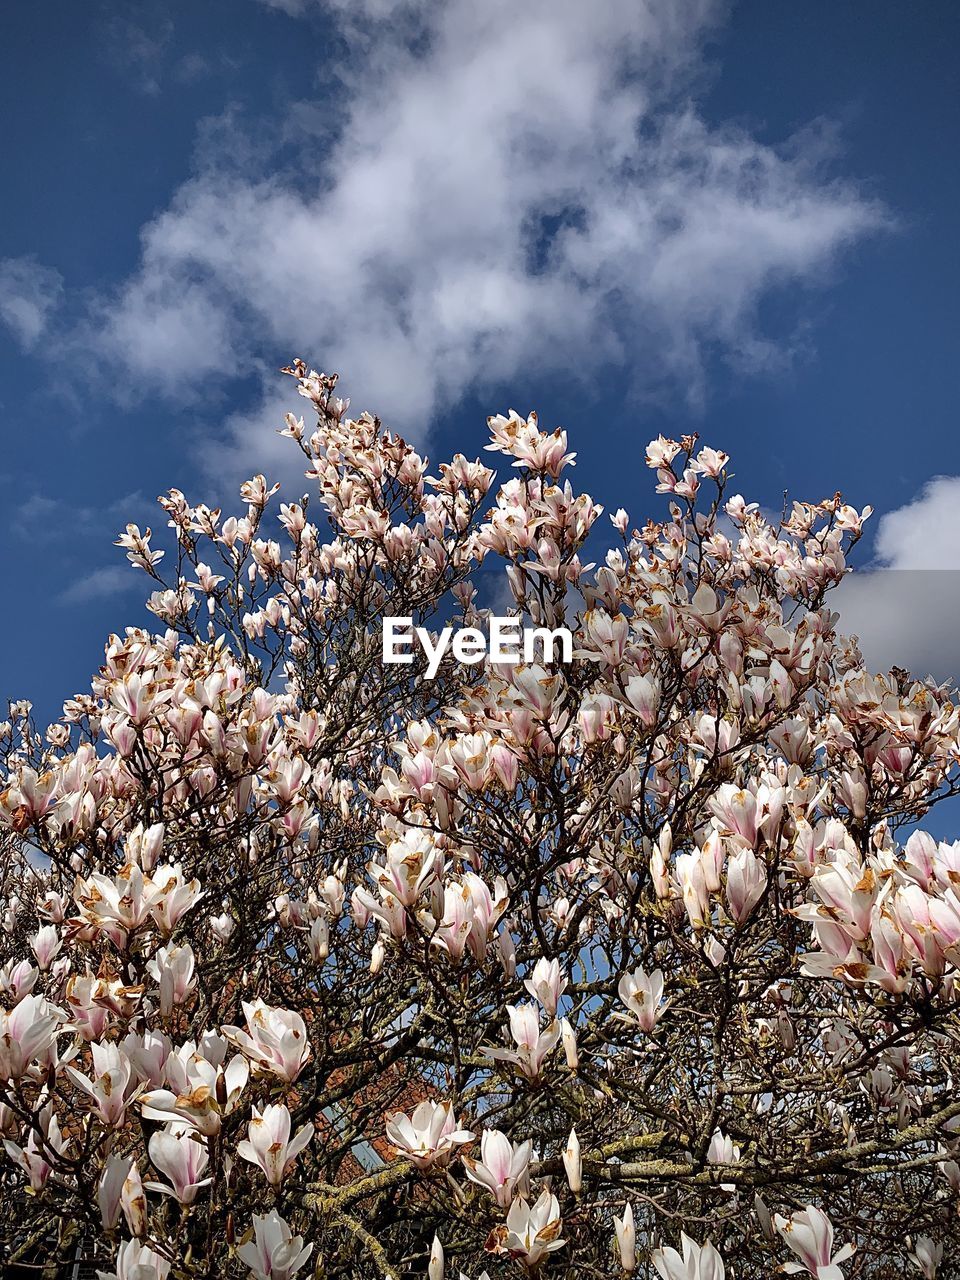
<point>179,1152</point>
<point>116,905</point>
<point>809,1233</point>
<point>88,1015</point>
<point>173,896</point>
<point>746,882</point>
<point>605,637</point>
<point>568,1038</point>
<point>28,1035</point>
<point>699,1262</point>
<point>531,1232</point>
<point>133,1202</point>
<point>453,928</point>
<point>571,1162</point>
<point>737,810</point>
<point>409,867</point>
<point>643,996</point>
<point>486,908</point>
<point>148,1054</point>
<point>643,695</point>
<point>17,979</point>
<point>195,1084</point>
<point>110,1089</point>
<point>690,871</point>
<point>626,1236</point>
<point>41,1148</point>
<point>430,1136</point>
<point>136,1261</point>
<point>275,1253</point>
<point>275,1040</point>
<point>46,945</point>
<point>502,1167</point>
<point>172,969</point>
<point>547,984</point>
<point>661,452</point>
<point>268,1142</point>
<point>533,1045</point>
<point>110,1189</point>
<point>470,756</point>
<point>710,462</point>
<point>926,1256</point>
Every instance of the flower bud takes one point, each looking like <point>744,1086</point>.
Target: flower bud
<point>569,1039</point>
<point>626,1239</point>
<point>571,1162</point>
<point>435,1269</point>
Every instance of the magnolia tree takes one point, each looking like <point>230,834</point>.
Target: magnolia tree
<point>314,966</point>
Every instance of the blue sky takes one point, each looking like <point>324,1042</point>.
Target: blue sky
<point>736,219</point>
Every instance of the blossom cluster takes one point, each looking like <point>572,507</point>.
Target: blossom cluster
<point>618,965</point>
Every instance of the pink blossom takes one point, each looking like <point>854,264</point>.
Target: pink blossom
<point>136,1261</point>
<point>28,1036</point>
<point>275,1253</point>
<point>699,1262</point>
<point>110,1091</point>
<point>532,1232</point>
<point>43,1144</point>
<point>533,1046</point>
<point>809,1233</point>
<point>501,1168</point>
<point>547,984</point>
<point>746,882</point>
<point>625,1234</point>
<point>181,1154</point>
<point>643,996</point>
<point>275,1039</point>
<point>429,1136</point>
<point>268,1143</point>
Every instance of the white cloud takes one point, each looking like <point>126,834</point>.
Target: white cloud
<point>29,294</point>
<point>295,8</point>
<point>508,186</point>
<point>907,610</point>
<point>100,584</point>
<point>906,618</point>
<point>924,534</point>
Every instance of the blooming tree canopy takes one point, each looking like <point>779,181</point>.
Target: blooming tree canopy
<point>637,963</point>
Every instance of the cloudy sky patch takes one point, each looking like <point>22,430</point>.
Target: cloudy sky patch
<point>736,219</point>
